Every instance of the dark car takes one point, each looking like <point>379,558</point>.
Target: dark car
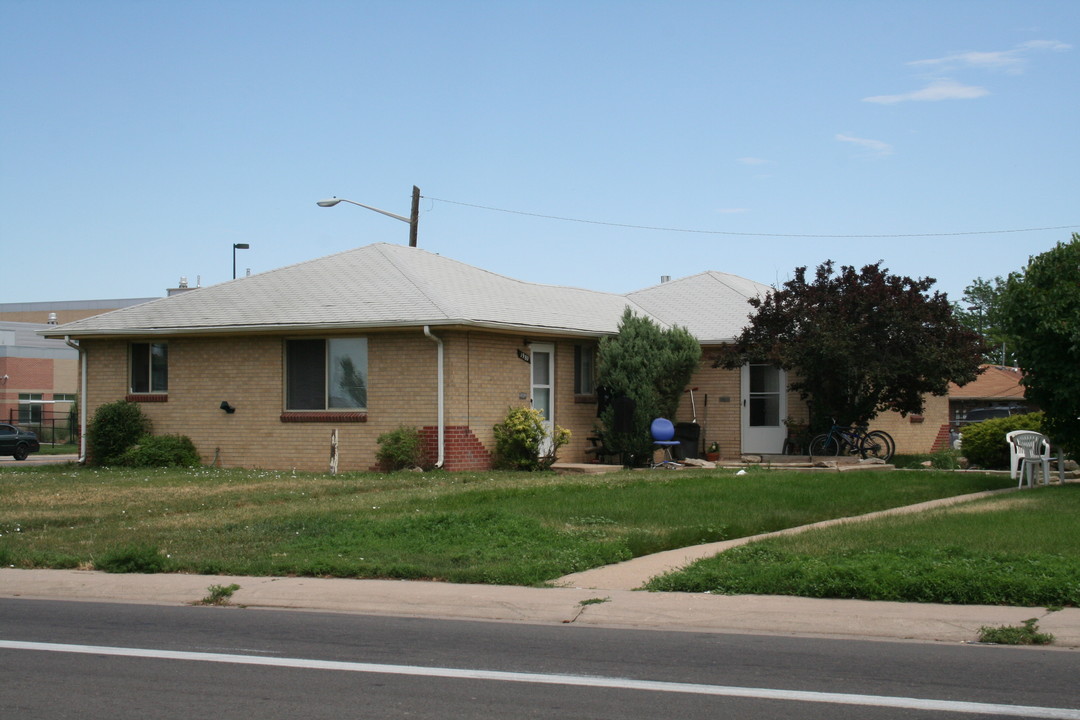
<point>17,442</point>
<point>990,413</point>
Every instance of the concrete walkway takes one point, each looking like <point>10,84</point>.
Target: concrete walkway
<point>597,598</point>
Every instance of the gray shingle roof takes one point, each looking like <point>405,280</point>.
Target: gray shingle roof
<point>385,285</point>
<point>711,305</point>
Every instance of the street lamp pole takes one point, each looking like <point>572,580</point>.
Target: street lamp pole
<point>413,220</point>
<point>235,247</point>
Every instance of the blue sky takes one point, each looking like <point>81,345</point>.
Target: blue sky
<point>140,140</point>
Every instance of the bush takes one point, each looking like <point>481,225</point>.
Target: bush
<point>520,437</point>
<point>114,428</point>
<point>400,449</point>
<point>984,443</point>
<point>161,451</point>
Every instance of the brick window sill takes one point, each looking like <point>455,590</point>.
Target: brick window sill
<point>323,417</point>
<point>147,397</point>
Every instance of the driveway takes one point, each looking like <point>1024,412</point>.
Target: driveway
<point>38,459</point>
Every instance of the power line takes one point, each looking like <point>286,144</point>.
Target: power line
<point>745,234</point>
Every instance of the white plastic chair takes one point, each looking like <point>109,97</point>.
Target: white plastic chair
<point>1034,449</point>
<point>1014,452</point>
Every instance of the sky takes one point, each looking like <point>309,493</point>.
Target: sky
<point>588,143</point>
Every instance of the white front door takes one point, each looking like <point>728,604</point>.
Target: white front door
<point>764,407</point>
<point>543,387</point>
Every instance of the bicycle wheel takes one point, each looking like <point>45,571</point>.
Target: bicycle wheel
<point>877,444</point>
<point>824,445</point>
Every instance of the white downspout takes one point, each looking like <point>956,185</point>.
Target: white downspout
<point>442,401</point>
<point>82,396</point>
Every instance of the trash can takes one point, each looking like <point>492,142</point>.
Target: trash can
<point>689,436</point>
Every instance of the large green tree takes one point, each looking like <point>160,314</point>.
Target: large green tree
<point>858,342</point>
<point>652,366</point>
<point>980,310</point>
<point>1040,310</point>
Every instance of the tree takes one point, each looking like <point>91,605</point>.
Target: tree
<point>980,310</point>
<point>858,342</point>
<point>650,365</point>
<point>1040,312</point>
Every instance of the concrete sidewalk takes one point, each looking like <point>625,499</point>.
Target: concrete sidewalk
<point>579,606</point>
<point>604,597</point>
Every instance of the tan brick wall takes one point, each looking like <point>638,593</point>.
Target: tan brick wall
<point>915,434</point>
<point>484,378</point>
<point>718,401</point>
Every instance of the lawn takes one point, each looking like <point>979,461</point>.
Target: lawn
<point>1016,549</point>
<point>505,528</point>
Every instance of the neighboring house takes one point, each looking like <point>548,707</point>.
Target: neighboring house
<point>38,380</point>
<point>259,371</point>
<point>997,392</point>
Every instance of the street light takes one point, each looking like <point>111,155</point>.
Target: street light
<point>235,247</point>
<point>412,220</point>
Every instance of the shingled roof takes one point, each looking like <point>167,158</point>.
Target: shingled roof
<point>383,286</point>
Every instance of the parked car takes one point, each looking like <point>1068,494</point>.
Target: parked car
<point>17,442</point>
<point>999,411</point>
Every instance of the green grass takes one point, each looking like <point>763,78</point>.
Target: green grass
<point>1016,549</point>
<point>58,449</point>
<point>506,528</point>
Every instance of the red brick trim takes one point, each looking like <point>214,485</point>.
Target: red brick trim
<point>323,417</point>
<point>143,397</point>
<point>462,450</point>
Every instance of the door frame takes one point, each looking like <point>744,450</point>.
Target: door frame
<point>767,439</point>
<point>549,415</point>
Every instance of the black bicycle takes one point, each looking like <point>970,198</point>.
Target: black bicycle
<point>853,440</point>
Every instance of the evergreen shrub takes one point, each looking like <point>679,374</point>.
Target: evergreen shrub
<point>161,451</point>
<point>984,443</point>
<point>115,427</point>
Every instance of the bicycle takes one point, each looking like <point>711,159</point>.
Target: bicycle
<point>854,440</point>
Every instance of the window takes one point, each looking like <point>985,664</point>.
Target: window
<point>30,405</point>
<point>326,374</point>
<point>64,397</point>
<point>584,370</point>
<point>149,368</point>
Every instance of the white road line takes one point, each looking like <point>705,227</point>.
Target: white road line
<point>904,703</point>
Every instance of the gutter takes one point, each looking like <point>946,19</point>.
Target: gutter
<point>82,396</point>
<point>442,396</point>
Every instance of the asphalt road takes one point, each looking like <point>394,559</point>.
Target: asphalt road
<point>96,660</point>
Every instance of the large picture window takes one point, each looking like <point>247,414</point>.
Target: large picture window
<point>326,374</point>
<point>149,367</point>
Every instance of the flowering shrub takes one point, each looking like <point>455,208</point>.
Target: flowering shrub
<point>519,441</point>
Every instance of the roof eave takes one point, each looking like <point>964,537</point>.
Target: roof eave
<point>263,329</point>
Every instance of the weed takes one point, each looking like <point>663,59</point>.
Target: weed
<point>1028,634</point>
<point>219,594</point>
<point>594,601</point>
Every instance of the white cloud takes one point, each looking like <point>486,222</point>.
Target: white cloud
<point>937,90</point>
<point>876,148</point>
<point>1013,62</point>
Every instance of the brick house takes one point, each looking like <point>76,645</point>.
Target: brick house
<point>407,337</point>
<point>381,336</point>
